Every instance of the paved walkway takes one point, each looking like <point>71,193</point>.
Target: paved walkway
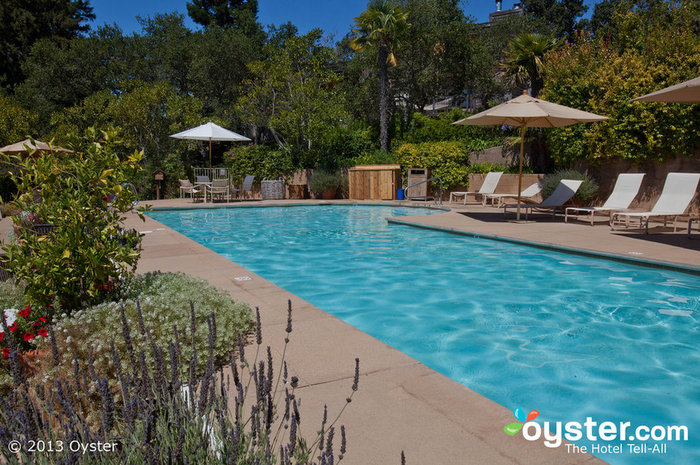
<point>401,404</point>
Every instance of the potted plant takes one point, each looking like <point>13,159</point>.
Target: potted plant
<point>325,184</point>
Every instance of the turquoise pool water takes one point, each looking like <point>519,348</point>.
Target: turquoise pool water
<point>568,335</point>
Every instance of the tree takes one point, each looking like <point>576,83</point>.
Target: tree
<point>16,123</point>
<point>87,252</point>
<point>441,54</point>
<point>653,48</point>
<point>218,68</point>
<point>165,50</point>
<point>556,16</point>
<point>378,27</point>
<point>293,94</point>
<point>524,59</point>
<point>22,23</point>
<point>236,14</point>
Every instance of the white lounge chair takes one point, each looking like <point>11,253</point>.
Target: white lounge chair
<point>624,192</point>
<point>679,190</point>
<point>488,187</point>
<point>563,193</point>
<point>528,193</point>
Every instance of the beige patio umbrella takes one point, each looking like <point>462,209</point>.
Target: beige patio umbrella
<point>30,145</point>
<point>529,112</point>
<point>685,92</point>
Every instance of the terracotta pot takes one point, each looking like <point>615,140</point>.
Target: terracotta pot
<point>328,194</point>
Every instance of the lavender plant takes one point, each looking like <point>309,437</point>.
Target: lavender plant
<point>245,413</point>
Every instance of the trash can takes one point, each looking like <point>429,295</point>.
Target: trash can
<point>399,194</point>
<point>418,183</point>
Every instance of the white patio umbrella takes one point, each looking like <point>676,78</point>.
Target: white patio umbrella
<point>210,132</point>
<point>685,92</point>
<point>528,112</point>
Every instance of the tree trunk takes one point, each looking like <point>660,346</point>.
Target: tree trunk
<point>383,103</point>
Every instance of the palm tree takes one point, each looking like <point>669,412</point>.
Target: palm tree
<point>523,59</point>
<point>379,26</point>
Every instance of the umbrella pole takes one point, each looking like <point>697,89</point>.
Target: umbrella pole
<point>210,154</point>
<point>520,173</point>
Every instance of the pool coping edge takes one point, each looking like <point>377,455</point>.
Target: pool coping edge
<point>671,266</point>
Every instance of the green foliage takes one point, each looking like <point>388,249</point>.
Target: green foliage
<point>584,194</point>
<point>262,161</point>
<point>556,16</point>
<point>376,157</point>
<point>218,67</point>
<point>423,128</point>
<point>87,251</point>
<point>146,114</point>
<point>524,59</point>
<point>340,147</point>
<point>380,27</point>
<point>448,160</point>
<point>293,94</point>
<point>653,49</point>
<point>16,123</point>
<point>237,14</point>
<point>322,181</point>
<point>22,23</point>
<point>485,167</point>
<point>437,55</point>
<point>165,300</point>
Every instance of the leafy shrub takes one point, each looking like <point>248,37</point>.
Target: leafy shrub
<point>375,157</point>
<point>485,167</point>
<point>654,47</point>
<point>81,197</point>
<point>262,161</point>
<point>322,181</point>
<point>584,194</point>
<point>339,147</point>
<point>448,160</point>
<point>164,300</point>
<point>248,413</point>
<point>423,128</point>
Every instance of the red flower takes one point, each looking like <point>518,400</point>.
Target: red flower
<point>28,337</point>
<point>2,336</point>
<point>6,352</point>
<point>25,313</point>
<point>43,332</point>
<point>13,327</point>
<point>36,324</point>
<point>43,319</point>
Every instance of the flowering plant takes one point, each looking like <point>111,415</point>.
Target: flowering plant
<point>84,250</point>
<point>25,327</point>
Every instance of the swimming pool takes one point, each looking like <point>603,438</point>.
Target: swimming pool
<point>568,335</point>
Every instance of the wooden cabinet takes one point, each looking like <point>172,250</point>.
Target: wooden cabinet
<point>374,182</point>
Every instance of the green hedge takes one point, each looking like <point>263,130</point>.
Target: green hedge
<point>448,160</point>
<point>262,161</point>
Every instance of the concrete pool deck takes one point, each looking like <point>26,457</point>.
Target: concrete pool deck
<point>401,404</point>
